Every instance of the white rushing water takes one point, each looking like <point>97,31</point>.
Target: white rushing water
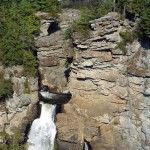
<point>86,146</point>
<point>43,129</point>
<point>46,94</point>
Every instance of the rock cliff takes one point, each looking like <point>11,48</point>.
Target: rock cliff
<point>110,91</point>
<point>18,112</point>
<point>53,50</point>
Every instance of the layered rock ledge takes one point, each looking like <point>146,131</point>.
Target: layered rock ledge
<point>110,101</point>
<point>110,91</point>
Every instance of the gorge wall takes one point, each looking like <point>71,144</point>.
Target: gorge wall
<point>110,105</point>
<point>18,111</point>
<point>110,91</point>
<point>53,50</point>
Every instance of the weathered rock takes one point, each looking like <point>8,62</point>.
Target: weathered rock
<point>110,91</point>
<point>87,63</point>
<point>82,46</point>
<point>90,130</point>
<point>101,56</point>
<point>54,53</point>
<point>33,84</point>
<point>48,40</point>
<point>110,75</point>
<point>68,16</point>
<point>43,42</point>
<point>43,15</point>
<point>69,128</point>
<point>139,64</point>
<point>63,145</point>
<point>49,61</point>
<point>51,76</point>
<point>103,91</point>
<point>78,38</point>
<point>18,112</point>
<point>121,92</point>
<point>34,98</point>
<point>18,84</point>
<point>20,120</point>
<point>117,51</point>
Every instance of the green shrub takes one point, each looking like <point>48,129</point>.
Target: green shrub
<point>122,46</point>
<point>14,141</point>
<point>26,83</point>
<point>116,122</point>
<point>29,62</point>
<point>68,33</point>
<point>121,16</point>
<point>127,37</point>
<point>5,136</point>
<point>5,87</point>
<point>26,91</point>
<point>145,23</point>
<point>26,86</point>
<point>137,8</point>
<point>51,6</point>
<point>89,13</point>
<point>18,27</point>
<point>81,25</point>
<point>103,8</point>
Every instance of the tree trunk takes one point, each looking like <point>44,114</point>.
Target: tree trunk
<point>114,5</point>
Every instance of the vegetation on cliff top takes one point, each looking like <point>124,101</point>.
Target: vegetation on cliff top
<point>127,8</point>
<point>89,12</point>
<point>5,87</point>
<point>127,37</point>
<point>18,27</point>
<point>137,8</point>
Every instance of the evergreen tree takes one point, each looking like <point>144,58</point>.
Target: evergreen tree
<point>140,8</point>
<point>145,24</point>
<point>18,25</point>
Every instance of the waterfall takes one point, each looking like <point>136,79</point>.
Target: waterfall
<point>46,94</point>
<point>86,146</point>
<point>43,129</point>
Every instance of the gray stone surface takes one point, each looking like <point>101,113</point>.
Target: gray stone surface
<point>109,88</point>
<point>110,105</point>
<point>15,113</point>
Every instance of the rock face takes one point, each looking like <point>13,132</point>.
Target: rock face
<point>18,112</point>
<point>110,91</point>
<point>53,50</point>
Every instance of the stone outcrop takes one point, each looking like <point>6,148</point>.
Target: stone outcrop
<point>53,50</point>
<point>110,91</point>
<point>18,112</point>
